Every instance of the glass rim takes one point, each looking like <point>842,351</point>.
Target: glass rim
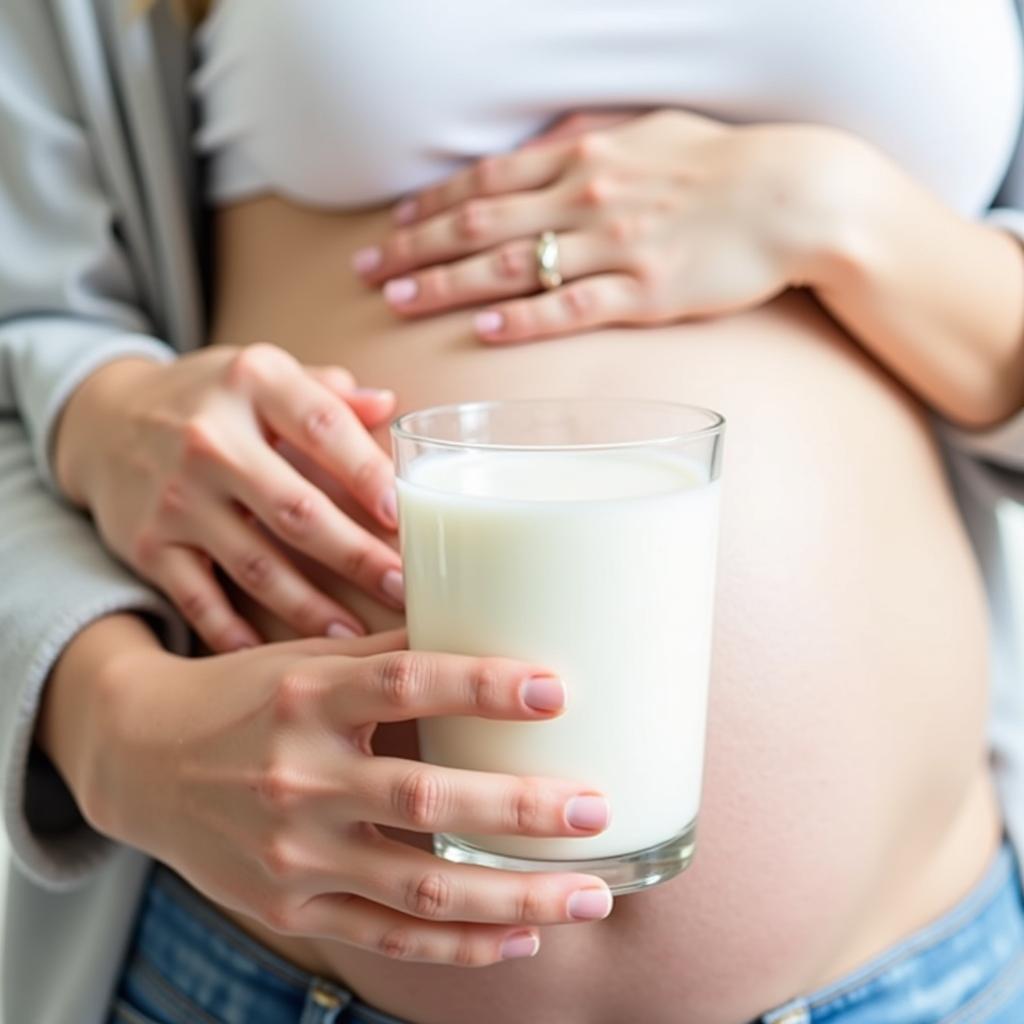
<point>400,430</point>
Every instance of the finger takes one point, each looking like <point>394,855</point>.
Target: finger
<point>579,123</point>
<point>510,269</point>
<point>313,419</point>
<point>415,882</point>
<point>493,175</point>
<point>188,580</point>
<point>431,798</point>
<point>350,647</point>
<point>473,226</point>
<point>416,684</point>
<point>266,574</point>
<point>307,520</point>
<point>378,929</point>
<point>372,405</point>
<point>596,301</point>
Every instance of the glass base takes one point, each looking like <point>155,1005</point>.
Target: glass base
<point>625,872</point>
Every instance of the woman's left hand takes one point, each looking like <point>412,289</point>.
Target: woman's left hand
<point>658,218</point>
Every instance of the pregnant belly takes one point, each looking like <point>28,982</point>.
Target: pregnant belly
<point>846,798</point>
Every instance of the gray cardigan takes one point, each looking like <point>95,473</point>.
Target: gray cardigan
<point>99,258</point>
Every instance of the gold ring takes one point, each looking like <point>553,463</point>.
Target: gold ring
<point>548,272</point>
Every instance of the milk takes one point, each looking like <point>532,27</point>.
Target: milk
<point>599,566</point>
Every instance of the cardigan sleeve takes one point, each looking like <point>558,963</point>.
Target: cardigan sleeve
<point>71,299</point>
<point>70,296</point>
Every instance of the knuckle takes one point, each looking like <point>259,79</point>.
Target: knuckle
<point>529,906</point>
<point>255,570</point>
<point>487,175</point>
<point>280,788</point>
<point>471,221</point>
<point>404,676</point>
<point>402,247</point>
<point>318,425</point>
<point>621,229</point>
<point>435,285</point>
<point>291,697</point>
<point>280,916</point>
<point>596,190</point>
<point>590,146</point>
<point>485,687</point>
<point>194,604</point>
<point>420,799</point>
<point>524,809</point>
<point>253,363</point>
<point>145,548</point>
<point>469,953</point>
<point>396,944</point>
<point>279,860</point>
<point>200,443</point>
<point>510,263</point>
<point>296,515</point>
<point>578,301</point>
<point>172,500</point>
<point>430,896</point>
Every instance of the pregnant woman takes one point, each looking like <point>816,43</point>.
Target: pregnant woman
<point>783,218</point>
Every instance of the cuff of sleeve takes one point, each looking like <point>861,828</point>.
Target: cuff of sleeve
<point>52,356</point>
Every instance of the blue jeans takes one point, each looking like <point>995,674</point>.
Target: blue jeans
<point>188,965</point>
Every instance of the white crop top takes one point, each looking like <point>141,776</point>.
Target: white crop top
<point>348,103</point>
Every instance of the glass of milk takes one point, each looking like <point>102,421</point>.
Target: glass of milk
<point>580,534</point>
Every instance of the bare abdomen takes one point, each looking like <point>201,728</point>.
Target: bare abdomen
<point>845,798</point>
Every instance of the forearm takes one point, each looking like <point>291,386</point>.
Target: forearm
<point>79,702</point>
<point>936,298</point>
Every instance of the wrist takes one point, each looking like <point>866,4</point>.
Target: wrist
<point>826,188</point>
<point>79,441</point>
<point>85,714</point>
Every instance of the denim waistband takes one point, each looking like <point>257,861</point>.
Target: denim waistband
<point>966,963</point>
<point>202,969</point>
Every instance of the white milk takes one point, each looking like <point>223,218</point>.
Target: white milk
<point>599,565</point>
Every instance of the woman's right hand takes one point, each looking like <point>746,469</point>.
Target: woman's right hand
<point>252,775</point>
<point>179,467</point>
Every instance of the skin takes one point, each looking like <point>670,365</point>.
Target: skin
<point>894,842</point>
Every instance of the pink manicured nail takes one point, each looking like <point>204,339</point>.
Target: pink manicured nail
<point>340,631</point>
<point>405,211</point>
<point>401,289</point>
<point>590,904</point>
<point>543,693</point>
<point>589,812</point>
<point>489,322</point>
<point>520,944</point>
<point>365,260</point>
<point>393,585</point>
<point>389,507</point>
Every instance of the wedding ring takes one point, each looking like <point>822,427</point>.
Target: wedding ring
<point>548,272</point>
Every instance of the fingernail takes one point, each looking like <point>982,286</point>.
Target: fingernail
<point>405,211</point>
<point>401,289</point>
<point>589,812</point>
<point>590,904</point>
<point>340,631</point>
<point>393,585</point>
<point>543,693</point>
<point>488,322</point>
<point>519,945</point>
<point>389,508</point>
<point>365,260</point>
